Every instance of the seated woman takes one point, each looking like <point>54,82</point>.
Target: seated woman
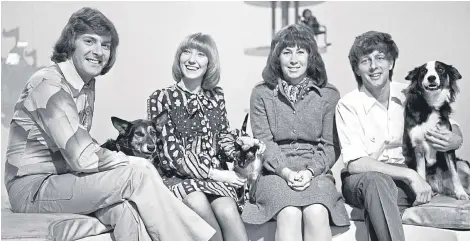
<point>292,111</point>
<point>196,142</point>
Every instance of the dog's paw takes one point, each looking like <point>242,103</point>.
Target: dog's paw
<point>462,195</point>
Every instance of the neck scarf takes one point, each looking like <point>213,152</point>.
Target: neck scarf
<point>293,91</point>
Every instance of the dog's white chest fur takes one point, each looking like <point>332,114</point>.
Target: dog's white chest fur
<point>418,140</point>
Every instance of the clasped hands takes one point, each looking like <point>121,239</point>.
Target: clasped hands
<point>298,181</point>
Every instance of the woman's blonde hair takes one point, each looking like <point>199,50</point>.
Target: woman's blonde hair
<point>205,44</point>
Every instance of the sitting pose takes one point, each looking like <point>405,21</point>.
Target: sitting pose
<point>55,166</point>
<point>370,124</point>
<point>292,111</point>
<point>196,143</point>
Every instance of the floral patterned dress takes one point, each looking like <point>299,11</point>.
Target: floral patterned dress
<point>195,139</point>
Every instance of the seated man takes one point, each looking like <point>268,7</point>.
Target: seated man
<point>53,164</point>
<point>311,21</point>
<point>370,127</point>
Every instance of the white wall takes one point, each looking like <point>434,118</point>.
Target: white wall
<point>151,31</point>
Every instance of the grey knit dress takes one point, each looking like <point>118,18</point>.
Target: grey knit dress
<point>297,135</point>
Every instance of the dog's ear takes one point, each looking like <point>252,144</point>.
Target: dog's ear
<point>120,124</point>
<point>453,72</point>
<point>412,75</point>
<point>160,120</point>
<point>245,123</point>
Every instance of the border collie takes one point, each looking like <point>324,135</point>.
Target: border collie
<point>433,88</point>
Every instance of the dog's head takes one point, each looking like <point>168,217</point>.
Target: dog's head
<point>436,81</point>
<point>248,156</point>
<point>139,137</point>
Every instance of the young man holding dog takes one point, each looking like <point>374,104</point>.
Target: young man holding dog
<point>370,127</point>
<point>54,165</point>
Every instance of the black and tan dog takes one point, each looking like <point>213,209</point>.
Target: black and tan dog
<point>247,165</point>
<point>433,88</point>
<point>139,137</point>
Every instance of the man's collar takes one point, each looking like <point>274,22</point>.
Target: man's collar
<point>72,77</point>
<point>369,100</point>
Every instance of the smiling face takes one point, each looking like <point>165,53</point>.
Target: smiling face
<point>91,55</point>
<point>374,70</point>
<point>294,63</point>
<point>193,63</point>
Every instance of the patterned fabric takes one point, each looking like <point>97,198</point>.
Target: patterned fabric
<point>49,131</point>
<point>293,92</point>
<point>195,140</point>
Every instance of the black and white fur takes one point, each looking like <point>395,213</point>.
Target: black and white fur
<point>433,88</point>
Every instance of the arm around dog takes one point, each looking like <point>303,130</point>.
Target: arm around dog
<point>353,149</point>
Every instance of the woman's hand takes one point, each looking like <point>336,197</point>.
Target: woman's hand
<point>302,181</point>
<point>298,181</point>
<point>230,177</point>
<point>443,139</point>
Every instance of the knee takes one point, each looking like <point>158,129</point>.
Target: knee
<point>315,212</point>
<point>197,201</point>
<point>289,216</point>
<point>372,182</point>
<point>134,177</point>
<point>115,212</point>
<point>226,210</point>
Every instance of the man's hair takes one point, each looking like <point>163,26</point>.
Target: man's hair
<point>367,43</point>
<point>204,43</point>
<point>83,21</point>
<point>301,36</point>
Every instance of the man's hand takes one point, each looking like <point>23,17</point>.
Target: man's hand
<point>422,190</point>
<point>443,140</point>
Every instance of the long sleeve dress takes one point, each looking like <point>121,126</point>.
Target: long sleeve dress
<point>298,136</point>
<point>195,140</point>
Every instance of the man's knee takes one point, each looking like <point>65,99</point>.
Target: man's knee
<point>134,177</point>
<point>373,182</point>
<point>111,215</point>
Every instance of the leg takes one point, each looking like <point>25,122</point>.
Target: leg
<point>463,169</point>
<point>125,220</point>
<point>198,202</point>
<point>316,223</point>
<point>377,194</point>
<point>87,193</point>
<point>458,188</point>
<point>289,224</point>
<point>226,211</point>
<point>420,163</point>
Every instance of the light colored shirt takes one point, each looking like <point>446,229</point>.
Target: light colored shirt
<point>49,131</point>
<point>367,128</point>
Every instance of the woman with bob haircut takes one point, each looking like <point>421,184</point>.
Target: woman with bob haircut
<point>292,111</point>
<point>55,166</point>
<point>196,143</point>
